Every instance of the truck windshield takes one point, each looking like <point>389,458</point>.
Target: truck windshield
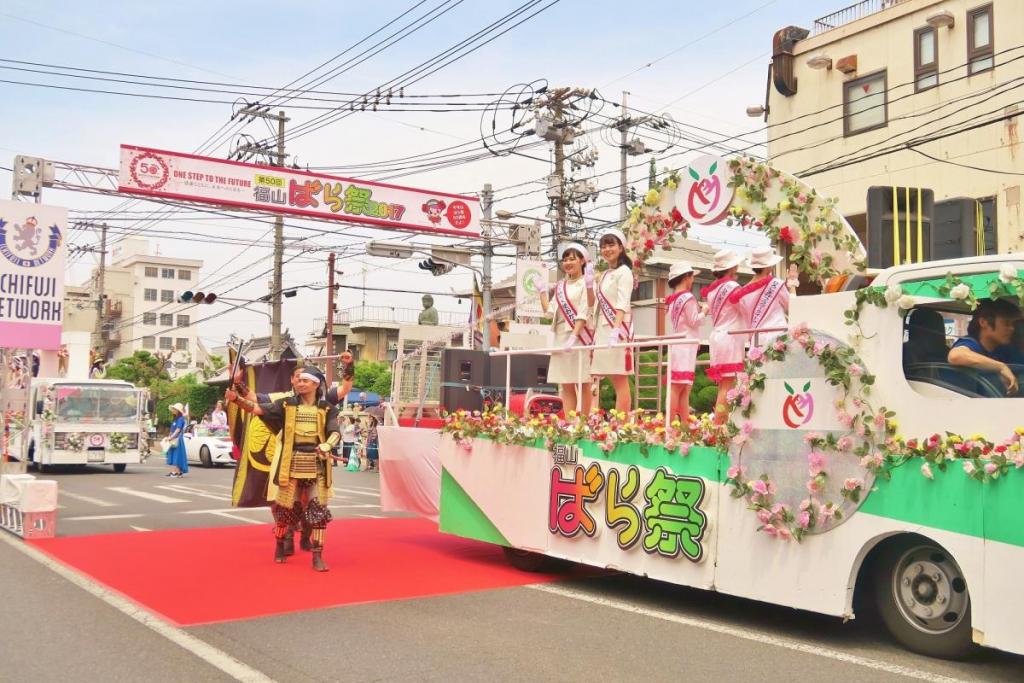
<point>95,403</point>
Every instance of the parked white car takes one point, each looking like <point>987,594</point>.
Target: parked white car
<point>208,448</point>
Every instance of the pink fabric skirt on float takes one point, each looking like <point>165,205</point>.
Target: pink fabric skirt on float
<point>727,355</point>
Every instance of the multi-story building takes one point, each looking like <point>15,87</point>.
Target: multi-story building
<point>372,332</point>
<point>908,112</point>
<point>141,309</point>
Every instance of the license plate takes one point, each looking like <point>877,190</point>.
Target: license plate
<point>97,456</point>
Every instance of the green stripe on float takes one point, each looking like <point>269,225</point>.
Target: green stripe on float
<point>463,517</point>
<point>701,461</point>
<point>952,502</point>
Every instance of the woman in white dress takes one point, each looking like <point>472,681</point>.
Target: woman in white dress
<point>569,313</point>
<point>611,300</point>
<point>727,349</point>
<point>764,300</point>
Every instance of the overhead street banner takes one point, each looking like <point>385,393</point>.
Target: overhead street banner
<point>173,175</point>
<point>31,275</point>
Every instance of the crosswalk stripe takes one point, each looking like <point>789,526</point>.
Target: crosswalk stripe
<point>188,490</point>
<point>87,499</point>
<point>138,528</point>
<point>236,517</point>
<point>92,518</point>
<point>148,496</point>
<point>338,489</point>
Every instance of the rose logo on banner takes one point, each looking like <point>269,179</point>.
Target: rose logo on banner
<point>23,245</point>
<point>798,409</point>
<point>149,171</point>
<point>706,197</point>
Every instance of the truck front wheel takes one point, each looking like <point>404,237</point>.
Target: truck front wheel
<point>922,598</point>
<point>120,467</point>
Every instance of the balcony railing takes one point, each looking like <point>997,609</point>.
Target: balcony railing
<point>852,13</point>
<point>387,314</point>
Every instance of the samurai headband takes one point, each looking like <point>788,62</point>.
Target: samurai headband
<point>310,376</point>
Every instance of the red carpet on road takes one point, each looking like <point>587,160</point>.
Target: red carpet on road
<point>200,576</point>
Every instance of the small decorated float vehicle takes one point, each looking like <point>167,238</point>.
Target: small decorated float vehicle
<point>863,452</point>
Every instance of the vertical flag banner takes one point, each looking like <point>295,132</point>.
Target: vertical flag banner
<point>531,279</point>
<point>32,255</point>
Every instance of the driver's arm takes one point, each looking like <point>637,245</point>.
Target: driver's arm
<point>961,355</point>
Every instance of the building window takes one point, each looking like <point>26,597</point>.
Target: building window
<point>643,291</point>
<point>865,104</point>
<point>980,40</point>
<point>181,344</point>
<point>184,274</point>
<point>166,344</point>
<point>149,318</point>
<point>183,321</point>
<point>166,319</point>
<point>181,365</point>
<point>149,342</point>
<point>167,273</point>
<point>167,296</point>
<point>926,59</point>
<point>149,295</point>
<point>151,271</point>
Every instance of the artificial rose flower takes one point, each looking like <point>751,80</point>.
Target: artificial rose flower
<point>804,519</point>
<point>960,292</point>
<point>779,346</point>
<point>816,463</point>
<point>649,245</point>
<point>784,534</point>
<point>811,436</point>
<point>756,354</point>
<point>893,294</point>
<point>788,235</point>
<point>652,197</point>
<point>764,516</point>
<point>906,302</point>
<point>800,329</point>
<point>926,470</point>
<point>844,443</point>
<point>770,530</point>
<point>991,468</point>
<point>813,486</point>
<point>760,487</point>
<point>969,467</point>
<point>852,484</point>
<point>1007,272</point>
<point>855,370</point>
<point>819,346</point>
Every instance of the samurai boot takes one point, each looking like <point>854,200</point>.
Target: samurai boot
<point>304,541</point>
<point>289,544</point>
<point>318,564</point>
<point>279,552</point>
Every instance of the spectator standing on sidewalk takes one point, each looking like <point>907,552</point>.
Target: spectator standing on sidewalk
<point>177,459</point>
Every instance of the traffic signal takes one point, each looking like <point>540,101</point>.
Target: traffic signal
<point>435,267</point>
<point>190,297</point>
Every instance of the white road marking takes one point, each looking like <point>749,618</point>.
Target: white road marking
<point>148,496</point>
<point>87,499</point>
<point>235,517</point>
<point>358,493</point>
<point>200,648</point>
<point>188,490</point>
<point>354,505</point>
<point>361,488</point>
<point>747,634</point>
<point>232,510</point>
<point>91,518</point>
<point>139,528</point>
<point>359,514</point>
<point>219,486</point>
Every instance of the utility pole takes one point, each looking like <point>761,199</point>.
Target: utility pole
<point>100,289</point>
<point>277,157</point>
<point>329,340</point>
<point>623,159</point>
<point>486,204</point>
<point>559,230</point>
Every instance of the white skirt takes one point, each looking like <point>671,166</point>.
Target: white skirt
<point>567,368</point>
<point>607,362</point>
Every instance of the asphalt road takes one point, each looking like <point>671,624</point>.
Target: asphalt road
<point>608,628</point>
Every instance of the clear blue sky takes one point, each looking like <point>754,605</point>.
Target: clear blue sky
<point>707,59</point>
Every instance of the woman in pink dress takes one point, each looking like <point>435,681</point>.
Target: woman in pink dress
<point>684,318</point>
<point>764,300</point>
<point>727,350</point>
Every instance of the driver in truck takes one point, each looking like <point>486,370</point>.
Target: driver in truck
<point>986,346</point>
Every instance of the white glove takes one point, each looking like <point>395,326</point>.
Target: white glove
<point>571,341</point>
<point>588,276</point>
<point>614,336</point>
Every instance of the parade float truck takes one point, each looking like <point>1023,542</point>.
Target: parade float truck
<point>840,473</point>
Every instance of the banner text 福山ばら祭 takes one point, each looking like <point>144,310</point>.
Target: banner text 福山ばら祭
<point>187,177</point>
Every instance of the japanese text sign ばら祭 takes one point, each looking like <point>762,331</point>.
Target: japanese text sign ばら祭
<point>188,177</point>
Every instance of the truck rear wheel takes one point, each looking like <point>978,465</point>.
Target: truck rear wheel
<point>120,467</point>
<point>526,561</point>
<point>922,598</point>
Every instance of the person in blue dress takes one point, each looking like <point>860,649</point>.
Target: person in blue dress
<point>177,459</point>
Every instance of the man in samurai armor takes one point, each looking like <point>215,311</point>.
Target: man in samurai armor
<point>300,473</point>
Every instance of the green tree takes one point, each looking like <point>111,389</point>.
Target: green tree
<point>142,369</point>
<point>212,366</point>
<point>187,390</point>
<point>373,376</point>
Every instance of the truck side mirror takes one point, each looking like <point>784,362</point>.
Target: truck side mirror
<point>39,407</point>
<point>150,406</point>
